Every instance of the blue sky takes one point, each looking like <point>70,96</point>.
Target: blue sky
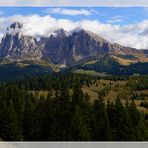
<point>113,15</point>
<point>127,26</point>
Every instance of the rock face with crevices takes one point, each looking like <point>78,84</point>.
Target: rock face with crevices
<point>16,46</point>
<point>60,49</point>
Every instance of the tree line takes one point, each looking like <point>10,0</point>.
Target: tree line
<point>66,114</point>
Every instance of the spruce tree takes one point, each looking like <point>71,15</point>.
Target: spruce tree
<point>28,116</point>
<point>10,129</point>
<point>78,128</point>
<point>102,131</point>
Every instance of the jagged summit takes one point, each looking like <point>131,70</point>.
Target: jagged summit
<point>14,45</point>
<point>16,25</point>
<point>60,48</point>
<point>60,32</point>
<point>14,29</point>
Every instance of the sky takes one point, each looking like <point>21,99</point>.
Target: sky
<point>124,25</point>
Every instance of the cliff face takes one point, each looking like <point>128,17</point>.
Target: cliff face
<point>60,48</point>
<point>16,46</point>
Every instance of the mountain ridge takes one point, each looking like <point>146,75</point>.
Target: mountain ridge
<point>62,50</point>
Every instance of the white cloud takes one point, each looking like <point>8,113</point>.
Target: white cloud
<point>66,11</point>
<point>135,35</point>
<point>116,19</point>
<point>35,25</point>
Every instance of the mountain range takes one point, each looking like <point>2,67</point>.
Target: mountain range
<point>79,49</point>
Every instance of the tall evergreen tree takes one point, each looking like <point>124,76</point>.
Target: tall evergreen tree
<point>28,116</point>
<point>9,123</point>
<point>102,131</point>
<point>78,128</point>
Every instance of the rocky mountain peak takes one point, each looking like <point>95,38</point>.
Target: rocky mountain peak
<point>60,33</point>
<point>14,29</point>
<point>15,45</point>
<point>16,25</point>
<point>59,49</point>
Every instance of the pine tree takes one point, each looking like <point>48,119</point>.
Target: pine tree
<point>10,130</point>
<point>78,128</point>
<point>39,121</point>
<point>28,116</point>
<point>135,116</point>
<point>77,96</point>
<point>102,131</point>
<point>127,127</point>
<point>62,112</point>
<point>142,131</point>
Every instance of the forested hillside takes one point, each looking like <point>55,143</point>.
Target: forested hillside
<point>67,113</point>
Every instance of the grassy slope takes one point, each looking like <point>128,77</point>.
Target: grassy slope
<point>115,66</point>
<point>116,89</point>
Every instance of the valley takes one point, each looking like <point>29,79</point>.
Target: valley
<point>113,90</point>
<point>74,107</point>
<point>71,86</point>
<point>73,74</point>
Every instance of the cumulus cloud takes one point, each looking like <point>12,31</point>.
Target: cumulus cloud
<point>66,11</point>
<point>35,25</point>
<point>134,35</point>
